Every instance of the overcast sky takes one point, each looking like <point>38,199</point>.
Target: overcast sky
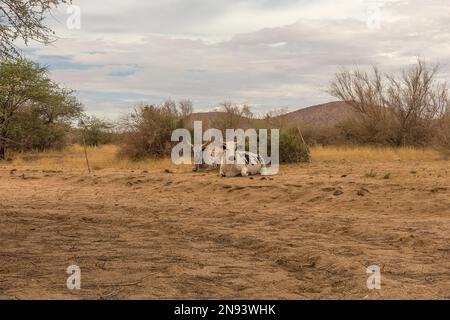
<point>265,53</point>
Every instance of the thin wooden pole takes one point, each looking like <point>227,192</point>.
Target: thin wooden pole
<point>85,148</point>
<point>86,155</point>
<point>304,142</point>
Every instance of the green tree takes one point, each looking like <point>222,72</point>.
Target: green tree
<point>25,20</point>
<point>96,131</point>
<point>33,108</point>
<point>293,148</point>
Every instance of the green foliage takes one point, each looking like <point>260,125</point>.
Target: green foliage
<point>32,132</point>
<point>292,147</point>
<point>95,131</point>
<point>35,112</point>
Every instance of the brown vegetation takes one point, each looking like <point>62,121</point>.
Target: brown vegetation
<point>393,110</point>
<point>148,129</point>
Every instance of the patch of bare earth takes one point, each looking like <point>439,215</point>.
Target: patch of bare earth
<point>308,233</point>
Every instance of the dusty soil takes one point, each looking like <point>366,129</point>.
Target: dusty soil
<point>308,233</point>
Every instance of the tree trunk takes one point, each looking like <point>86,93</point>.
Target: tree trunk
<point>2,137</point>
<point>2,152</point>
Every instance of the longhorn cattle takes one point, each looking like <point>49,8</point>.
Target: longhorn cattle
<point>243,163</point>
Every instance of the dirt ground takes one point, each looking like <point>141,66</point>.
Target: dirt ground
<point>308,233</point>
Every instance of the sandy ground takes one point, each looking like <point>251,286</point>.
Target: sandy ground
<point>308,233</point>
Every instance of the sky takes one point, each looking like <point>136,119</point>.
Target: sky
<point>266,53</point>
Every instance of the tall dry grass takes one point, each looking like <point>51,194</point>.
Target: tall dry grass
<point>103,157</point>
<point>359,153</point>
<point>106,157</point>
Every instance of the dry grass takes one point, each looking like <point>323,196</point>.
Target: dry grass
<point>359,153</point>
<point>105,157</point>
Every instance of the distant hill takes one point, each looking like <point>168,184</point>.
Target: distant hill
<point>320,116</point>
<point>323,115</point>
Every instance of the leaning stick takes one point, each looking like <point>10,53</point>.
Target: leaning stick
<point>303,140</point>
<point>84,147</point>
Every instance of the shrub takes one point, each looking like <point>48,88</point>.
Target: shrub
<point>148,131</point>
<point>95,132</point>
<point>322,136</point>
<point>398,110</point>
<point>233,116</point>
<point>442,136</point>
<point>293,148</point>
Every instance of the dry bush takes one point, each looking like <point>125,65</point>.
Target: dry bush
<point>276,118</point>
<point>233,116</point>
<point>323,136</point>
<point>393,110</point>
<point>442,137</point>
<point>148,130</point>
<point>186,108</point>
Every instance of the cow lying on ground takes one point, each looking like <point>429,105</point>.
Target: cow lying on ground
<point>245,164</point>
<point>242,163</point>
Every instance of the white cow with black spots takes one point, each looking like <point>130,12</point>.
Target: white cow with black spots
<point>242,163</point>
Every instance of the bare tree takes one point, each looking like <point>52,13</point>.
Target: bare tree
<point>246,111</point>
<point>24,19</point>
<point>443,135</point>
<point>233,116</point>
<point>185,107</point>
<point>277,117</point>
<point>403,109</point>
